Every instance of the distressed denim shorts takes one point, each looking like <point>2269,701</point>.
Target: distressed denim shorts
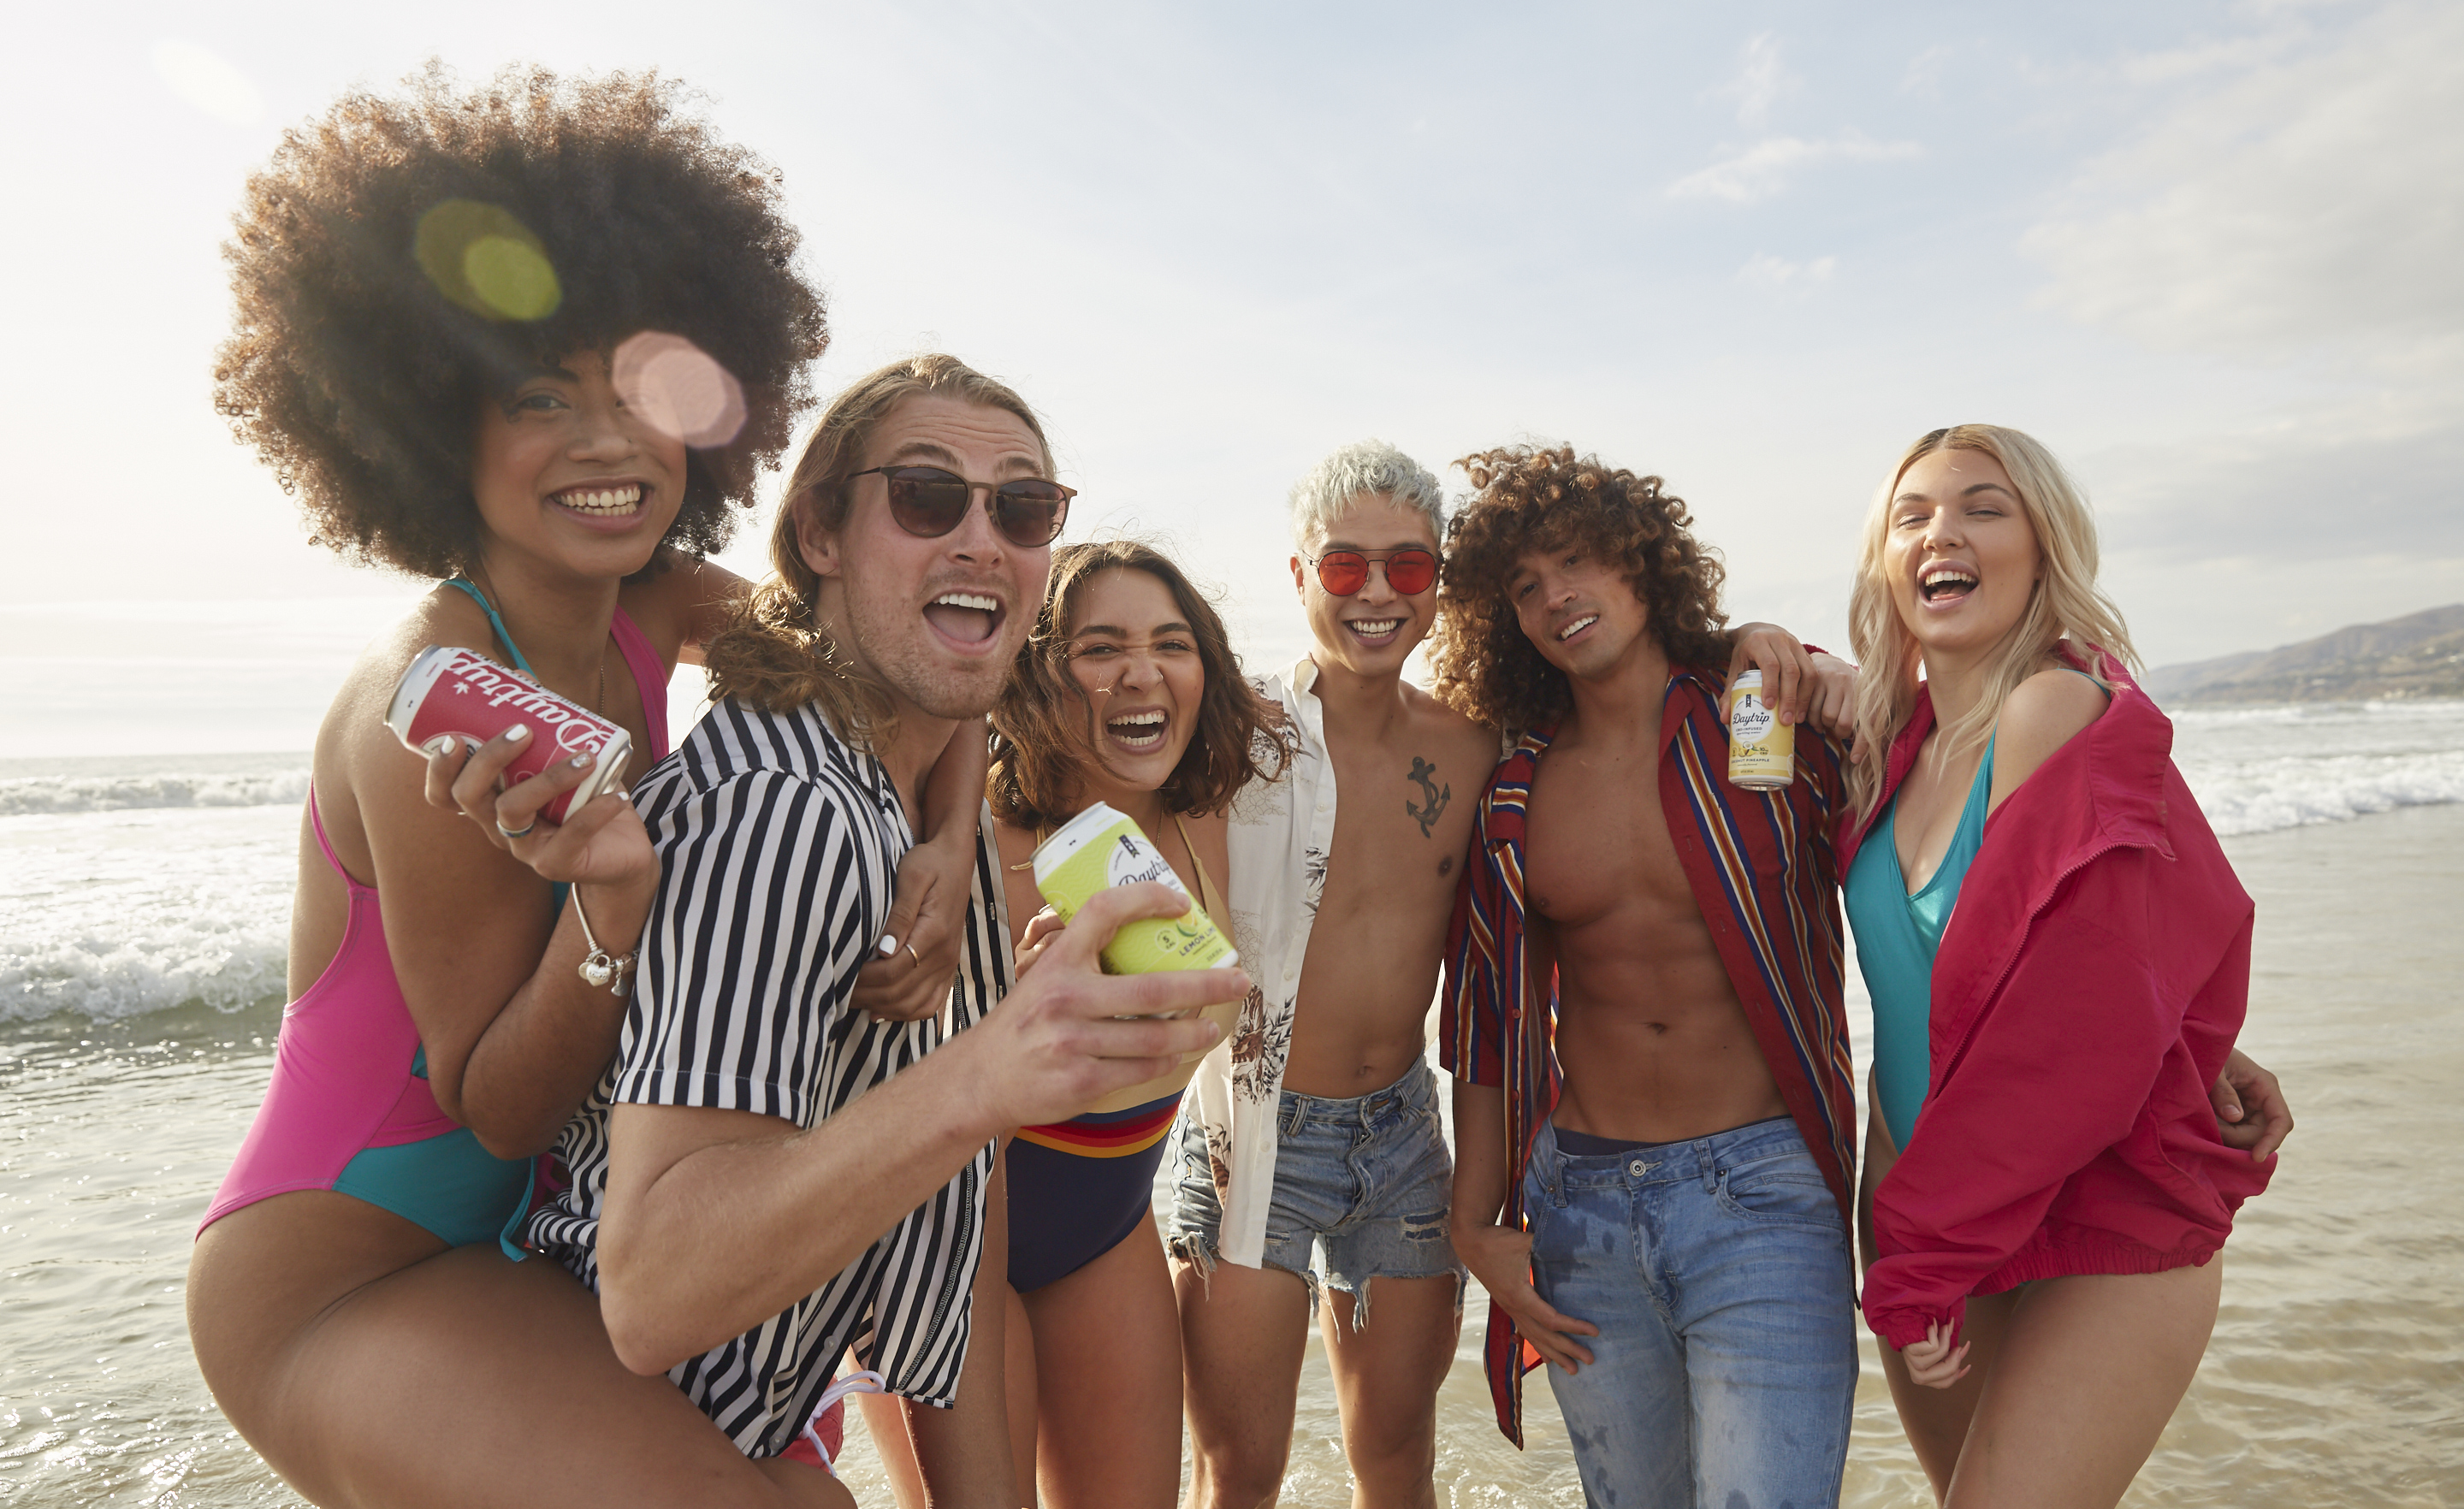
<point>1363,1181</point>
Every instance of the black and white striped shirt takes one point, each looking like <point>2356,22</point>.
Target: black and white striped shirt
<point>779,845</point>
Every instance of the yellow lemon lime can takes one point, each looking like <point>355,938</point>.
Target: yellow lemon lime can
<point>1762,750</point>
<point>1099,849</point>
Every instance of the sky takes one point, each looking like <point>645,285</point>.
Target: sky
<point>2208,253</point>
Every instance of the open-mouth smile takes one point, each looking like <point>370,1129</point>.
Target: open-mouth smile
<point>969,618</point>
<point>1578,626</point>
<point>1946,584</point>
<point>1140,732</point>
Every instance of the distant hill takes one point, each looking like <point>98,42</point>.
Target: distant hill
<point>2419,655</point>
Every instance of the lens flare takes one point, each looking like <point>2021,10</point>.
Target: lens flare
<point>680,388</point>
<point>482,259</point>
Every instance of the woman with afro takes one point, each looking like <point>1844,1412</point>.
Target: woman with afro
<point>530,342</point>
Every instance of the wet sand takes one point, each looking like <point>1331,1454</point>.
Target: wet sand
<point>2336,1375</point>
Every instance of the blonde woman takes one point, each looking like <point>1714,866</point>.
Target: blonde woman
<point>2047,1188</point>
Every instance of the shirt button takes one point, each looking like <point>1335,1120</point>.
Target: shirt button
<point>1638,1168</point>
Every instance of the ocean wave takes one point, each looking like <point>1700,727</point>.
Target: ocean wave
<point>211,962</point>
<point>47,794</point>
<point>2263,796</point>
<point>119,914</point>
<point>2364,717</point>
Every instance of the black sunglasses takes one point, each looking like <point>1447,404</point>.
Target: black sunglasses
<point>929,502</point>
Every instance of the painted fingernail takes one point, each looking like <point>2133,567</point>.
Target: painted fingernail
<point>518,733</point>
<point>585,761</point>
<point>887,948</point>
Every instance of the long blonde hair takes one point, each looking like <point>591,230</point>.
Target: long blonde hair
<point>2065,604</point>
<point>775,653</point>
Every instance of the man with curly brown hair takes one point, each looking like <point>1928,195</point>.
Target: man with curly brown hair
<point>1643,1005</point>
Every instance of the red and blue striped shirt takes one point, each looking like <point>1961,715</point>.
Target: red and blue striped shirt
<point>1764,873</point>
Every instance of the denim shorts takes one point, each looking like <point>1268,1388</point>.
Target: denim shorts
<point>1364,1181</point>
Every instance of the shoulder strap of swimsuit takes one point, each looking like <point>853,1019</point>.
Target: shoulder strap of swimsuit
<point>316,821</point>
<point>649,678</point>
<point>653,704</point>
<point>1980,793</point>
<point>1208,896</point>
<point>496,624</point>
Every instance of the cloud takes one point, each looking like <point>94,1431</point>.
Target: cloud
<point>1764,169</point>
<point>2297,201</point>
<point>1761,79</point>
<point>2294,199</point>
<point>201,78</point>
<point>1925,70</point>
<point>1772,272</point>
<point>2332,487</point>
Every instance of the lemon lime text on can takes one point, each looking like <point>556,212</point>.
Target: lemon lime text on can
<point>1762,750</point>
<point>1100,848</point>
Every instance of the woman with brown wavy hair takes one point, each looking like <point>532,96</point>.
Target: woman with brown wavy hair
<point>1127,692</point>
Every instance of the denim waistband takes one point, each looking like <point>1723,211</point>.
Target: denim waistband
<point>1416,1090</point>
<point>1668,1162</point>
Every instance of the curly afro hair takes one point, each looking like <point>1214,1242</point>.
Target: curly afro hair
<point>357,375</point>
<point>1544,498</point>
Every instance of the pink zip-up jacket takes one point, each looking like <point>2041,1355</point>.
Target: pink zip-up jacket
<point>2090,983</point>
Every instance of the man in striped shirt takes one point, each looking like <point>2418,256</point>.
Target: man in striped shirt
<point>765,1175</point>
<point>1674,1119</point>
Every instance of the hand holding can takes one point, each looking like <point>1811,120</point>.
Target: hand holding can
<point>1762,750</point>
<point>449,694</point>
<point>1101,848</point>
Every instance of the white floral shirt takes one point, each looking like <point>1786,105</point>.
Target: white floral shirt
<point>1281,832</point>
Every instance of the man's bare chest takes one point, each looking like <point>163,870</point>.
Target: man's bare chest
<point>1402,821</point>
<point>1596,843</point>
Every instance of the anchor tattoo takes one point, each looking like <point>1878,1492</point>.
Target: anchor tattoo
<point>1427,815</point>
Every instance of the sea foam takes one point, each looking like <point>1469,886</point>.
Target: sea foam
<point>2265,796</point>
<point>119,911</point>
<point>65,794</point>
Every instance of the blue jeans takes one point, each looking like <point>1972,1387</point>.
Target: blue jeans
<point>1718,1272</point>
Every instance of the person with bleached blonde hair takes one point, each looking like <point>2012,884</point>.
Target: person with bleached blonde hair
<point>2047,1185</point>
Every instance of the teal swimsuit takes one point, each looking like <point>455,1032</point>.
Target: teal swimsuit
<point>1897,934</point>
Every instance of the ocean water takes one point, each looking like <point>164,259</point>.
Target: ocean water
<point>148,850</point>
<point>135,883</point>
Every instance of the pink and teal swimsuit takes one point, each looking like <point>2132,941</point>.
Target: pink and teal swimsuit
<point>349,1108</point>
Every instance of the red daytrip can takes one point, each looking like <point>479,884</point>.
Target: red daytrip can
<point>449,694</point>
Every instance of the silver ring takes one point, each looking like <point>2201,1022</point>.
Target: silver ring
<point>522,832</point>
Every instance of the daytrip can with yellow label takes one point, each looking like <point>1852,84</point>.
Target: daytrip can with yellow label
<point>1762,750</point>
<point>1099,849</point>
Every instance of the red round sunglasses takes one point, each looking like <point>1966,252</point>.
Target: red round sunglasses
<point>1345,571</point>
